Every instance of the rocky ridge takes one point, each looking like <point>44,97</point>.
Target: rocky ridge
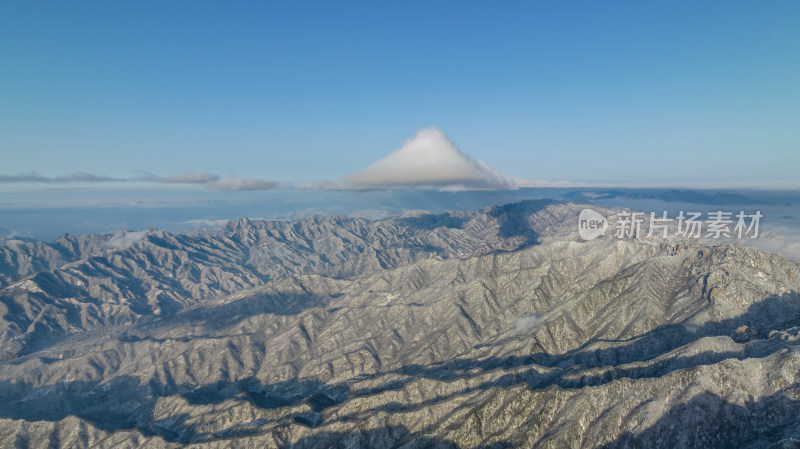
<point>493,328</point>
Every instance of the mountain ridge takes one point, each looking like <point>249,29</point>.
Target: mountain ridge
<point>490,328</point>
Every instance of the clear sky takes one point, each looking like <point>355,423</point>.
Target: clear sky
<point>672,91</point>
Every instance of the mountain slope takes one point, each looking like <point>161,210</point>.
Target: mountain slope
<point>493,328</point>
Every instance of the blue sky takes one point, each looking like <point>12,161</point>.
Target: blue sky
<point>614,92</point>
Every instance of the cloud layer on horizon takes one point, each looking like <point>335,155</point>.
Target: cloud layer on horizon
<point>430,159</point>
<point>232,183</point>
<point>210,180</point>
<point>37,178</point>
<point>194,177</point>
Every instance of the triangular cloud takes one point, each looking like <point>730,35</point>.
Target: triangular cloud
<point>430,159</point>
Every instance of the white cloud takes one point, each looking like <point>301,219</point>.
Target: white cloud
<point>124,239</point>
<point>531,183</point>
<point>230,183</point>
<point>227,183</point>
<point>37,178</point>
<point>779,240</point>
<point>204,223</point>
<point>430,159</point>
<point>195,177</point>
<point>525,323</point>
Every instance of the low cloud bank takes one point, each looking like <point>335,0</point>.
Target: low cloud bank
<point>230,183</point>
<point>125,239</point>
<point>430,159</point>
<point>525,323</point>
<point>207,223</point>
<point>195,177</point>
<point>36,177</point>
<point>210,180</point>
<point>778,239</point>
<point>227,183</point>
